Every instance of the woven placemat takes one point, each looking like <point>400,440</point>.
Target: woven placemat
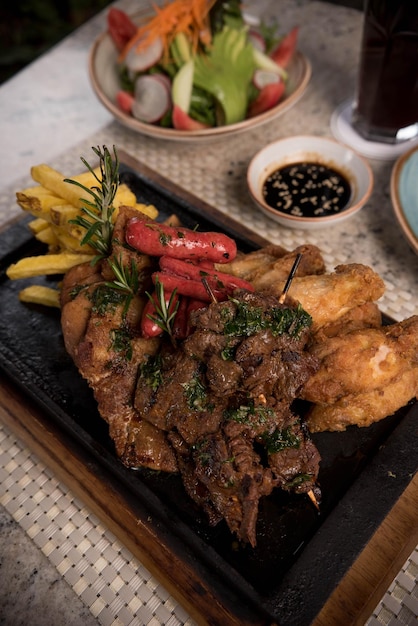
<point>112,583</point>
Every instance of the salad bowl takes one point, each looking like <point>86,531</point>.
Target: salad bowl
<point>105,81</point>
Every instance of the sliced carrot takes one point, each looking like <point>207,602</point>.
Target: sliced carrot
<point>190,17</point>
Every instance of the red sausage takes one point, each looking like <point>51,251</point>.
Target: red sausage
<point>188,287</point>
<point>197,271</point>
<point>181,321</point>
<point>149,327</point>
<point>155,239</point>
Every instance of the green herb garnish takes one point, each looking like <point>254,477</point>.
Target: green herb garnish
<point>97,213</point>
<point>165,311</point>
<point>151,371</point>
<point>105,298</point>
<point>121,342</point>
<point>249,414</point>
<point>196,395</point>
<point>280,439</point>
<point>249,320</point>
<point>126,280</point>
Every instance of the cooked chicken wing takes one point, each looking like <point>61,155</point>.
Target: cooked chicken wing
<point>364,409</point>
<point>363,375</point>
<point>328,297</point>
<point>271,263</point>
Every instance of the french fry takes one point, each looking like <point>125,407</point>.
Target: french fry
<point>47,236</point>
<point>70,241</point>
<point>36,202</point>
<point>38,294</point>
<point>52,179</point>
<point>147,209</point>
<point>124,195</point>
<point>61,214</point>
<point>45,264</point>
<point>56,205</point>
<point>37,224</point>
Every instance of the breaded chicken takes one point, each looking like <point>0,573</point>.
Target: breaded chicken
<point>363,376</point>
<point>328,297</point>
<point>364,409</point>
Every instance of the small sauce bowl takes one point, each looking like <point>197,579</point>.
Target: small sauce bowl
<point>309,182</point>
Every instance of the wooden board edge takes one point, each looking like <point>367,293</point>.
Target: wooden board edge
<point>362,587</point>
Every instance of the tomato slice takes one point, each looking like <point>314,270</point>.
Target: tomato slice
<point>268,97</point>
<point>183,121</point>
<point>125,101</point>
<point>286,48</point>
<point>120,27</point>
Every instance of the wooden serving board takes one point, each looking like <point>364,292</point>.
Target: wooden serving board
<point>350,555</point>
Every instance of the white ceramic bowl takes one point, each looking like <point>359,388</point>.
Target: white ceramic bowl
<point>105,82</point>
<point>310,149</point>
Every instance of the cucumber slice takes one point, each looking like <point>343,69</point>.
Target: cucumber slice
<point>181,91</point>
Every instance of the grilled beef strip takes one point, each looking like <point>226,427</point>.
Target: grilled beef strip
<point>224,396</point>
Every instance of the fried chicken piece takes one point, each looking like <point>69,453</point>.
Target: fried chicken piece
<point>362,361</point>
<point>367,315</point>
<point>310,264</point>
<point>328,297</point>
<point>273,263</point>
<point>364,409</point>
<point>363,377</point>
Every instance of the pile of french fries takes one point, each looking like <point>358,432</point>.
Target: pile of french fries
<point>54,203</point>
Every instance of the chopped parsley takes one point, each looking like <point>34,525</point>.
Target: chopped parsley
<point>121,342</point>
<point>151,371</point>
<point>249,414</point>
<point>105,298</point>
<point>249,320</point>
<point>280,439</point>
<point>196,396</point>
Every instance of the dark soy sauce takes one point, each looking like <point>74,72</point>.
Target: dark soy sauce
<point>307,190</point>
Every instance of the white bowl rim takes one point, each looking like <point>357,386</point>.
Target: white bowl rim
<point>282,217</point>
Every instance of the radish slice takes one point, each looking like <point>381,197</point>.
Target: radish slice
<point>152,99</point>
<point>262,78</point>
<point>144,58</point>
<point>257,40</point>
<point>166,80</point>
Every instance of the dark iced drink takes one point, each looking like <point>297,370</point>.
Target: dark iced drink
<point>387,99</point>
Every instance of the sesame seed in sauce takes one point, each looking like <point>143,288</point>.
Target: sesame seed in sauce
<point>307,190</point>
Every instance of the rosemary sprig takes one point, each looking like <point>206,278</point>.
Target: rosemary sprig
<point>126,279</point>
<point>97,213</point>
<point>165,311</point>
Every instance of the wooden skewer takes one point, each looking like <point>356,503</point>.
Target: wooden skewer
<point>209,290</point>
<point>290,278</point>
<point>313,499</point>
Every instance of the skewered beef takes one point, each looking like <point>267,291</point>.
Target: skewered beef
<point>224,396</point>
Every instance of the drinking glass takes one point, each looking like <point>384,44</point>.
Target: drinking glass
<point>386,105</point>
<point>381,120</point>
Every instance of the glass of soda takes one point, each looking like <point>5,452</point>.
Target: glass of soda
<point>386,103</point>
